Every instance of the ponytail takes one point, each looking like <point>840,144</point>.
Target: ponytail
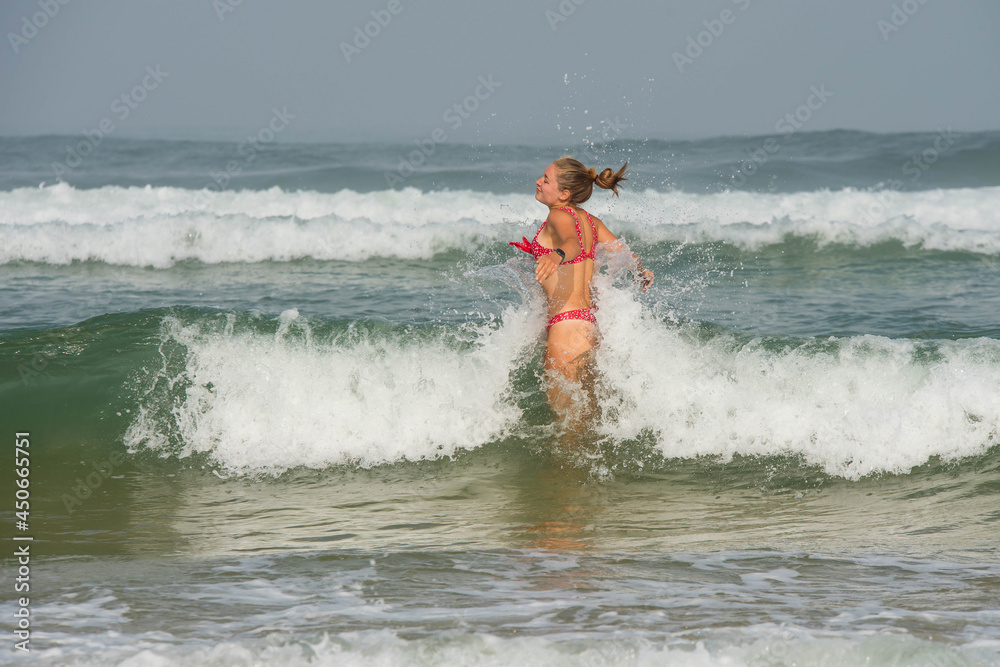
<point>580,180</point>
<point>609,179</point>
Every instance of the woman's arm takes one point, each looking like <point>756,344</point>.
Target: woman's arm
<point>604,235</point>
<point>563,232</point>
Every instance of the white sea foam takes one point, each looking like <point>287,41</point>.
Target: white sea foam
<point>158,226</point>
<point>785,648</point>
<point>852,406</point>
<point>259,404</point>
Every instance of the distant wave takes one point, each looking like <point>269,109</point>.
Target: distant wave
<point>160,226</point>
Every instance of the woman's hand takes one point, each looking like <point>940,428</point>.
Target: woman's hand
<point>646,279</point>
<point>547,265</point>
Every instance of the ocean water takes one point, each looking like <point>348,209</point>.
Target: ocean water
<point>286,408</point>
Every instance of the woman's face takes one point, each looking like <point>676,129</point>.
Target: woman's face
<point>547,189</point>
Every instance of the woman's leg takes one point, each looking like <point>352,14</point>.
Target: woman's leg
<point>567,364</point>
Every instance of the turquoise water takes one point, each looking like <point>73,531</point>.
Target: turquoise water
<point>300,420</point>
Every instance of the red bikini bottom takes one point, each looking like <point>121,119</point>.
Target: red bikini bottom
<point>585,314</point>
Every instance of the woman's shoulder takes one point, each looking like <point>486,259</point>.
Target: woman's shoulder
<point>572,214</point>
<point>560,216</point>
<point>597,222</point>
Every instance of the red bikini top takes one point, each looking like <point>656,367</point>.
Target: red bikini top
<point>536,249</point>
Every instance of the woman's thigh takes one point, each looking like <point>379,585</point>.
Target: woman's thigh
<point>567,341</point>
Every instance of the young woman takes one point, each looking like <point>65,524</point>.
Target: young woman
<point>564,249</point>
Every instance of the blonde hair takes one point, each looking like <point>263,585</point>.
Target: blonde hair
<point>579,180</point>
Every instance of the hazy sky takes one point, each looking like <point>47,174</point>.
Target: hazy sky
<point>517,70</point>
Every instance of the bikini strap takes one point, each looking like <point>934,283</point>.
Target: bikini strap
<point>592,253</point>
<point>541,228</point>
<point>593,237</point>
<point>576,221</point>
